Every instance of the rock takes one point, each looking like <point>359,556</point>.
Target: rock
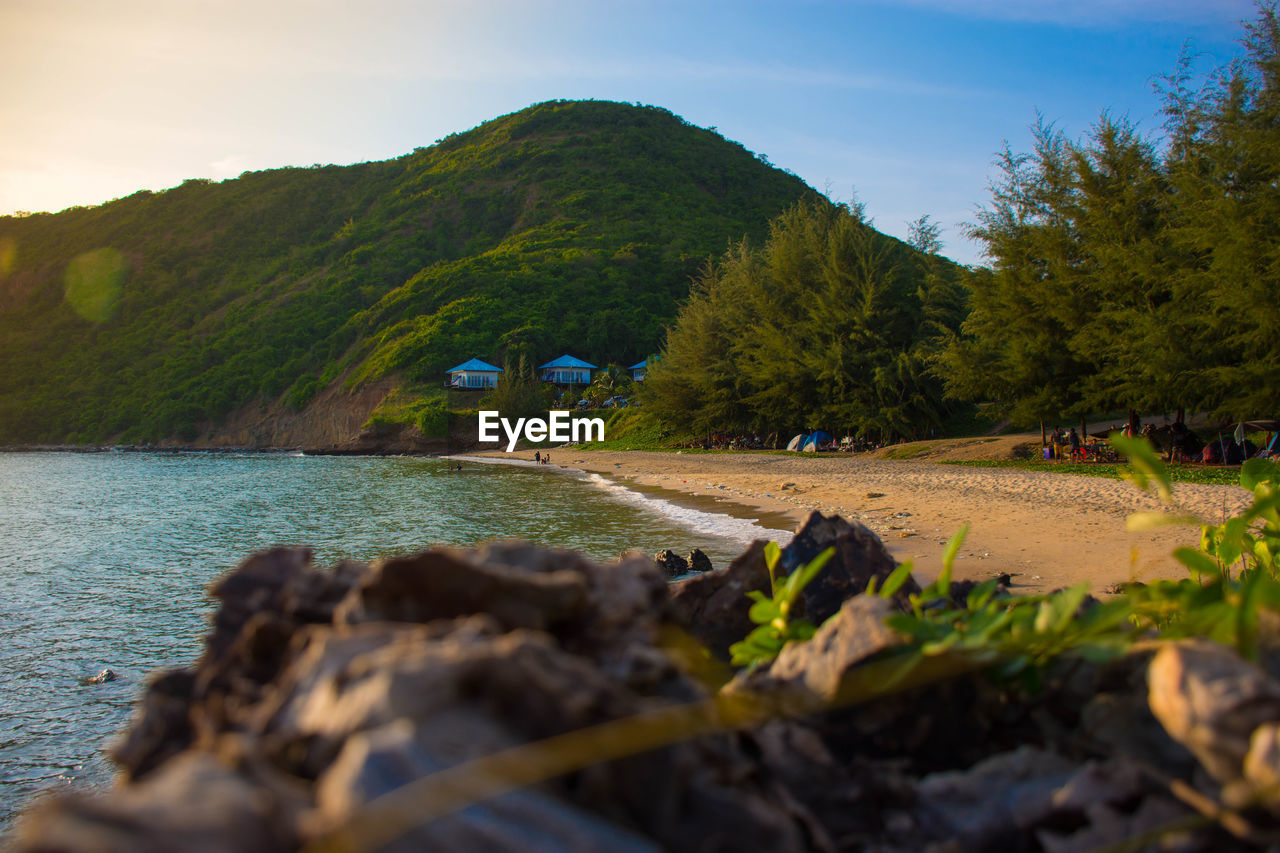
<point>394,700</point>
<point>859,556</point>
<point>699,562</point>
<point>811,674</point>
<point>161,726</point>
<point>671,563</point>
<point>385,760</point>
<point>1115,711</point>
<point>1115,827</point>
<point>1001,796</point>
<point>101,678</point>
<point>444,583</point>
<point>194,803</point>
<point>713,606</point>
<point>1211,701</point>
<point>1261,783</point>
<point>1032,793</point>
<point>423,663</point>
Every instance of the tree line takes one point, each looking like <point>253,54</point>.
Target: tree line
<point>1132,271</point>
<point>829,323</point>
<point>1127,271</point>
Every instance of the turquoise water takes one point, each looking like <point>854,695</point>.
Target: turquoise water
<point>104,559</point>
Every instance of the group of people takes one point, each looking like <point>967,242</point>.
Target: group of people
<point>725,441</point>
<point>1061,444</point>
<point>541,458</point>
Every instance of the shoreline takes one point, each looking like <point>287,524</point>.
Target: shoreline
<point>1045,529</point>
<point>778,522</point>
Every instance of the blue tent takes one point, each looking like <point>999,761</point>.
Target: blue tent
<point>813,439</point>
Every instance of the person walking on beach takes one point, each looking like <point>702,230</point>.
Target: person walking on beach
<point>537,456</point>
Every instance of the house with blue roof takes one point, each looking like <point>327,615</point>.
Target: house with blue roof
<point>474,374</point>
<point>638,370</point>
<point>566,370</point>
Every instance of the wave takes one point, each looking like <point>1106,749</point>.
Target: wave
<point>740,530</point>
<point>743,530</point>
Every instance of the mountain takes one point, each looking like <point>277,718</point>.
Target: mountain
<point>204,312</point>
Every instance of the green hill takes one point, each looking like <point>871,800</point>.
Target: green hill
<point>568,226</point>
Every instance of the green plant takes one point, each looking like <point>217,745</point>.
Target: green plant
<point>1216,603</point>
<point>773,614</point>
<point>1010,636</point>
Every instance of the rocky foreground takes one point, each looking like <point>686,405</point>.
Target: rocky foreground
<point>518,698</point>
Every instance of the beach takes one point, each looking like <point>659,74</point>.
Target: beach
<point>1047,530</point>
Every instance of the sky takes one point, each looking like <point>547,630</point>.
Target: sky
<point>899,104</point>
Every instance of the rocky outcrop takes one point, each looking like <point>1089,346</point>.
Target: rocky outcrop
<point>671,563</point>
<point>512,697</point>
<point>699,562</point>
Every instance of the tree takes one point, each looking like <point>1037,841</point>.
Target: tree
<point>824,325</point>
<point>1026,308</point>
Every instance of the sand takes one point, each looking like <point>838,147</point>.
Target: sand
<point>1047,530</point>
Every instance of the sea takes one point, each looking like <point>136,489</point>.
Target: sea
<point>105,559</point>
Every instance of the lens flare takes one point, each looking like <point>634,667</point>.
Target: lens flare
<point>94,282</point>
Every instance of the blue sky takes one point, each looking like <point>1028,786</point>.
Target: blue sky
<point>903,102</point>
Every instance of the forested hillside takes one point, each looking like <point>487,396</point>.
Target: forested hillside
<point>568,226</point>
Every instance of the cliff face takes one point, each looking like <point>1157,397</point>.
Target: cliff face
<point>335,418</point>
<point>457,699</point>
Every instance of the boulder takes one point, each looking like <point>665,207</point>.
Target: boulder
<point>1211,701</point>
<point>194,803</point>
<point>444,583</point>
<point>1030,793</point>
<point>671,563</point>
<point>699,562</point>
<point>859,556</point>
<point>713,606</point>
<point>812,674</point>
<point>319,694</point>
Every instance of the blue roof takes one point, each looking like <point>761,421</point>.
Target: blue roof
<point>639,365</point>
<point>567,361</point>
<point>477,365</point>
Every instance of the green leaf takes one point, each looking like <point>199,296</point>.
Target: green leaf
<point>981,594</point>
<point>896,579</point>
<point>763,612</point>
<point>1145,466</point>
<point>772,554</point>
<point>1198,562</point>
<point>801,629</point>
<point>1045,617</point>
<point>1066,603</point>
<point>1139,521</point>
<point>949,558</point>
<point>1257,471</point>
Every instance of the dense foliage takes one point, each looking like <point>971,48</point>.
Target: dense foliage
<point>1127,274</point>
<point>568,226</point>
<point>829,325</point>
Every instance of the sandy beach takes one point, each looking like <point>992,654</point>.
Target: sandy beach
<point>1046,529</point>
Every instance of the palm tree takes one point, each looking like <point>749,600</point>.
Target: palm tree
<point>610,382</point>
